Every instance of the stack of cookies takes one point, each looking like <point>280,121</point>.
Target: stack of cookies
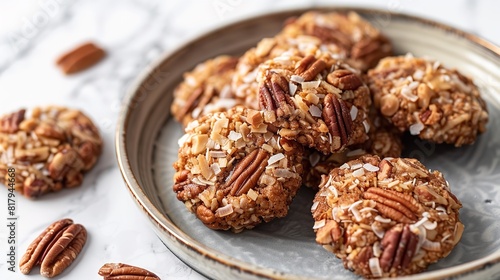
<point>324,104</point>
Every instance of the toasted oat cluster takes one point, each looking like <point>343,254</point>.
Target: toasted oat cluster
<point>386,218</point>
<point>426,99</point>
<point>206,89</point>
<point>320,102</point>
<point>49,147</point>
<point>235,172</point>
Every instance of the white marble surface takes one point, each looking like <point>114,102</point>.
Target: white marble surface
<point>135,33</point>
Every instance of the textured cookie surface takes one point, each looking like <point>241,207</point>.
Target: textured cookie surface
<point>429,100</point>
<point>386,218</point>
<point>318,101</point>
<point>205,89</point>
<point>234,172</point>
<point>49,147</point>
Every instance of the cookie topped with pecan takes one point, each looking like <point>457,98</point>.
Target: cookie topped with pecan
<point>425,98</point>
<point>49,147</point>
<point>205,89</point>
<point>234,171</point>
<point>386,218</point>
<point>316,100</point>
<point>346,35</point>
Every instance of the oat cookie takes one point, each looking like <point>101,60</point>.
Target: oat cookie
<point>207,88</point>
<point>346,35</point>
<point>318,101</point>
<point>234,171</point>
<point>429,100</point>
<point>386,218</point>
<point>50,148</point>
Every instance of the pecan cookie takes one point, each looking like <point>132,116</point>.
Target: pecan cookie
<point>346,35</point>
<point>234,171</point>
<point>318,101</point>
<point>207,88</point>
<point>429,100</point>
<point>386,218</point>
<point>50,148</point>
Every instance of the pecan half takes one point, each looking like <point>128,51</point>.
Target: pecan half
<point>338,120</point>
<point>397,206</point>
<point>274,95</point>
<point>65,161</point>
<point>55,248</point>
<point>344,79</point>
<point>398,247</point>
<point>10,123</point>
<point>120,271</point>
<point>309,67</point>
<point>330,35</point>
<point>80,58</point>
<point>247,172</point>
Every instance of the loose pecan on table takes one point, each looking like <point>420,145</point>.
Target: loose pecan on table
<point>338,120</point>
<point>309,67</point>
<point>247,172</point>
<point>80,58</point>
<point>274,95</point>
<point>120,271</point>
<point>55,248</point>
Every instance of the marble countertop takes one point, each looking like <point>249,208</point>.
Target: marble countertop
<point>134,33</point>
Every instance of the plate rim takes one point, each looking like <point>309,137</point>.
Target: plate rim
<point>167,226</point>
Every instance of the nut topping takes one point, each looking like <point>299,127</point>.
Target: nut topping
<point>274,95</point>
<point>344,79</point>
<point>399,245</point>
<point>397,206</point>
<point>337,118</point>
<point>55,248</point>
<point>247,172</point>
<point>309,67</point>
<point>120,271</point>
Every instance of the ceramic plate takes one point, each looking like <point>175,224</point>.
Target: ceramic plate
<point>146,146</point>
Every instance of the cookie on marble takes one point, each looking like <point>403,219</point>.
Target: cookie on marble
<point>428,100</point>
<point>386,218</point>
<point>234,172</point>
<point>346,35</point>
<point>50,148</point>
<point>318,101</point>
<point>205,89</point>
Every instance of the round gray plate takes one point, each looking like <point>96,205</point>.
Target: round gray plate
<point>146,146</point>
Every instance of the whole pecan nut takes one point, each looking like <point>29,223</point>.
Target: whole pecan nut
<point>55,248</point>
<point>80,58</point>
<point>344,79</point>
<point>120,271</point>
<point>397,206</point>
<point>398,247</point>
<point>309,67</point>
<point>274,95</point>
<point>338,120</point>
<point>247,172</point>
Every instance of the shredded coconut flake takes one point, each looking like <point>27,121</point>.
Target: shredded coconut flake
<point>358,172</point>
<point>354,112</point>
<point>215,168</point>
<point>375,269</point>
<point>416,128</point>
<point>370,167</point>
<point>406,92</point>
<point>344,166</point>
<point>314,206</point>
<point>367,126</point>
<point>431,245</point>
<point>217,154</point>
<point>293,88</point>
<point>234,136</point>
<point>378,231</point>
<point>252,194</point>
<point>296,78</point>
<point>311,84</point>
<point>285,173</point>
<point>356,166</point>
<point>275,158</point>
<point>382,219</point>
<point>319,224</point>
<point>315,111</point>
<point>224,211</point>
